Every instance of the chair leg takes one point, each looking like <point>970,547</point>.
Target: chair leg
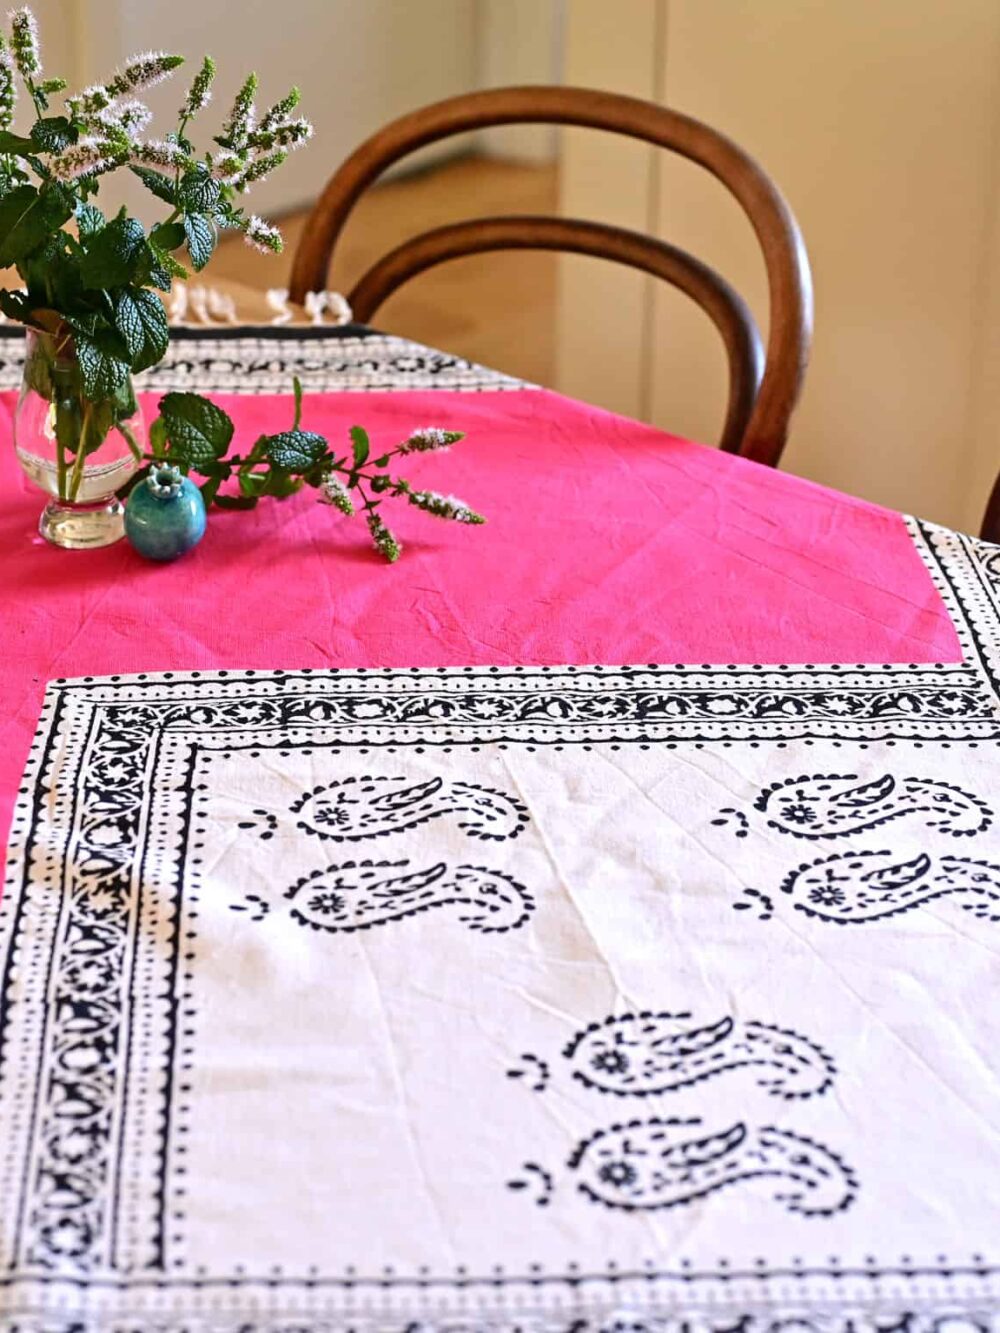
<point>990,531</point>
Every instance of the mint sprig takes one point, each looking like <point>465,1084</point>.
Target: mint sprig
<point>195,435</point>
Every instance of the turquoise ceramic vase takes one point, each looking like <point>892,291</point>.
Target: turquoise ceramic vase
<point>165,514</point>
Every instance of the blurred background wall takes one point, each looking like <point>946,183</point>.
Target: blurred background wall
<point>880,120</point>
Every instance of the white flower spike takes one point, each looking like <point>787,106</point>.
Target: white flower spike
<point>160,153</point>
<point>242,116</point>
<point>263,236</point>
<point>89,157</point>
<point>334,492</point>
<point>91,102</point>
<point>430,439</point>
<point>143,71</point>
<point>8,88</point>
<point>24,43</point>
<point>200,92</point>
<point>131,115</point>
<point>444,506</point>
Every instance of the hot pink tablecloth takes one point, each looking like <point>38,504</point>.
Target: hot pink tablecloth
<point>607,542</point>
<point>478,994</point>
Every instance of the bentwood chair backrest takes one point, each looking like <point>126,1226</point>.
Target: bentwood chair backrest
<point>763,388</point>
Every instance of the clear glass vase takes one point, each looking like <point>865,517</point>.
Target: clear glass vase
<point>79,452</point>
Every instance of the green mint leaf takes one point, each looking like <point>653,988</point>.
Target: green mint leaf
<point>158,268</point>
<point>124,402</point>
<point>63,281</point>
<point>89,221</point>
<point>295,450</point>
<point>53,133</point>
<point>141,321</point>
<point>198,190</point>
<point>360,444</point>
<point>129,325</point>
<point>28,217</point>
<point>281,484</point>
<point>85,323</point>
<point>152,270</point>
<point>95,426</point>
<point>236,501</point>
<point>167,235</point>
<point>297,390</point>
<point>68,423</point>
<point>154,323</point>
<point>104,372</point>
<point>35,270</point>
<point>198,431</point>
<point>114,254</point>
<point>158,437</point>
<point>227,216</point>
<point>220,469</point>
<point>162,186</point>
<point>38,373</point>
<point>14,143</point>
<point>201,238</point>
<point>384,461</point>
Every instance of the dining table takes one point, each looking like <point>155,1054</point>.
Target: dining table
<point>588,923</point>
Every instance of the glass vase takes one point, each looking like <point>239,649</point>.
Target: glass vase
<point>80,452</point>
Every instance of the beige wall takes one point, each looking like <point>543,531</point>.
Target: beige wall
<point>519,41</point>
<point>881,121</point>
<point>58,22</point>
<point>358,63</point>
<point>603,343</point>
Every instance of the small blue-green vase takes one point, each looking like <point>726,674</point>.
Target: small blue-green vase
<point>164,514</point>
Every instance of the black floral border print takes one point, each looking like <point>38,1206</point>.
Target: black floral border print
<point>844,1296</point>
<point>264,360</point>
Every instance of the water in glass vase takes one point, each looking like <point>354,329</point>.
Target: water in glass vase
<point>78,451</point>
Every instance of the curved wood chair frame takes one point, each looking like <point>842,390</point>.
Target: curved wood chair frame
<point>788,276</point>
<point>724,306</point>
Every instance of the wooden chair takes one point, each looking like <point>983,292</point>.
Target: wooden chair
<point>762,391</point>
<point>990,531</point>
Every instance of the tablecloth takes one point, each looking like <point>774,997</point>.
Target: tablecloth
<point>381,952</point>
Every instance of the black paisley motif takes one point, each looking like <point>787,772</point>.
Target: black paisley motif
<point>646,1054</point>
<point>853,888</point>
<point>358,895</point>
<point>648,1165</point>
<point>352,809</point>
<point>837,805</point>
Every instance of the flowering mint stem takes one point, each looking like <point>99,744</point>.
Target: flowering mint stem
<point>129,437</point>
<point>76,476</point>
